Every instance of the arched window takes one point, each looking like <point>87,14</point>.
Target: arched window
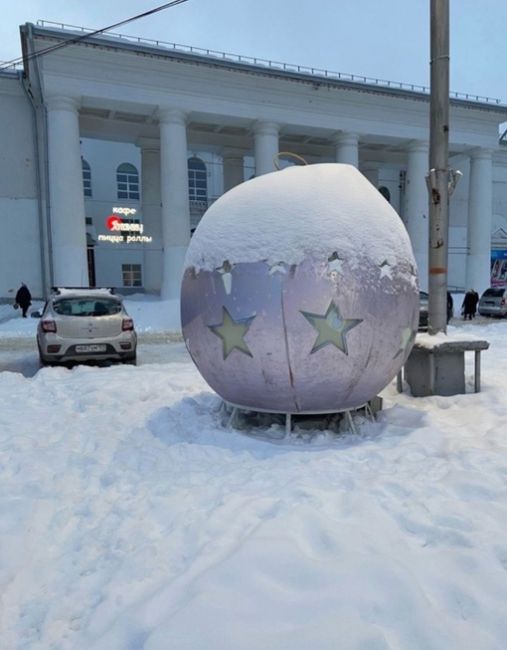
<point>127,181</point>
<point>385,193</point>
<point>87,178</point>
<point>197,180</point>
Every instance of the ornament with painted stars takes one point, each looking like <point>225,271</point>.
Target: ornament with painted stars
<point>300,291</point>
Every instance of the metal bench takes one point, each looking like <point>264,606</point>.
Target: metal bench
<point>436,365</point>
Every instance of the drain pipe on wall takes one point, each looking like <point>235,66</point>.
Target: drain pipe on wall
<point>40,134</point>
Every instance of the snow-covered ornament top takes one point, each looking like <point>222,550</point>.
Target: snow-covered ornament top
<point>300,291</point>
<point>299,211</point>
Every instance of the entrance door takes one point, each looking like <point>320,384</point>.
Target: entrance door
<point>90,254</point>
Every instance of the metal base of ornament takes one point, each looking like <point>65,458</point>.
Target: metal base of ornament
<point>315,418</point>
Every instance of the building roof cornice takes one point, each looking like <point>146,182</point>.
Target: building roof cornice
<point>253,66</point>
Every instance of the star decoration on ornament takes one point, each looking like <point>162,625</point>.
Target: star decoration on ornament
<point>232,333</point>
<point>334,264</point>
<point>225,272</point>
<point>413,277</point>
<point>407,334</point>
<point>279,267</point>
<point>385,270</point>
<point>332,328</point>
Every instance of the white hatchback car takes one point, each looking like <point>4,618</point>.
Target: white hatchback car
<point>493,302</point>
<point>85,325</point>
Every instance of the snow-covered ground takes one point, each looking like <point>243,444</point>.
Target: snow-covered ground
<point>131,517</point>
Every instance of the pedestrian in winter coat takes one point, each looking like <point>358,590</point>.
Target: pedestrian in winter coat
<point>450,306</point>
<point>470,304</point>
<point>476,299</point>
<point>23,298</point>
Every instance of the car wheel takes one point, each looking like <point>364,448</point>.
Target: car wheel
<point>42,361</point>
<point>131,361</point>
<point>46,364</point>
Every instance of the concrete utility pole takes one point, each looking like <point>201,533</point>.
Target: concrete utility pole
<point>438,178</point>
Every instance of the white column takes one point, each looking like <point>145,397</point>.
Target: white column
<point>68,227</point>
<point>480,207</point>
<point>174,195</point>
<point>347,150</point>
<point>152,220</point>
<point>417,207</point>
<point>371,172</point>
<point>266,147</point>
<point>233,168</point>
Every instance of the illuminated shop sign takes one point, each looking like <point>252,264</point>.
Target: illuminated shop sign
<point>499,267</point>
<point>124,232</point>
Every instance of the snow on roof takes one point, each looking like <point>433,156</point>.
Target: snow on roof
<point>287,215</point>
<point>84,291</point>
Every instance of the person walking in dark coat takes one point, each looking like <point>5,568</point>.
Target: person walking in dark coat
<point>469,304</point>
<point>476,301</point>
<point>450,306</point>
<point>23,298</point>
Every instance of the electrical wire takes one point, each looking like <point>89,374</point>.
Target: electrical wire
<point>77,39</point>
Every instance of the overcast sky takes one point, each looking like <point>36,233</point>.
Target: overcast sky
<point>387,39</point>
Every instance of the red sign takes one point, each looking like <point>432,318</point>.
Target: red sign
<point>112,220</point>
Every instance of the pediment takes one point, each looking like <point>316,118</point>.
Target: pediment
<point>499,233</point>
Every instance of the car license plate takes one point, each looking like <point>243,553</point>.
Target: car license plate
<point>90,348</point>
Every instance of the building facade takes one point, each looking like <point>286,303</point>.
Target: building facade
<point>112,149</point>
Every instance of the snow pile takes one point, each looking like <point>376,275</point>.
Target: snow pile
<point>130,517</point>
<point>430,341</point>
<point>297,212</point>
<point>151,314</point>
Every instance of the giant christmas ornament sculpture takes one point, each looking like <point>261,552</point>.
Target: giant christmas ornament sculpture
<point>300,291</point>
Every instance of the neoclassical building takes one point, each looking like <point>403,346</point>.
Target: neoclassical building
<point>113,147</point>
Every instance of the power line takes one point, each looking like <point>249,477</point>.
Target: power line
<point>77,39</point>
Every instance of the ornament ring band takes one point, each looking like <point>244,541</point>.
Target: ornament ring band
<point>287,154</point>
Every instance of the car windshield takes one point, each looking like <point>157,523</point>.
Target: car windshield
<point>493,293</point>
<point>87,307</point>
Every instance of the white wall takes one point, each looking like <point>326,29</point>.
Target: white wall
<point>17,154</point>
<point>500,193</point>
<point>19,224</point>
<point>104,157</point>
<point>19,247</point>
<point>109,260</point>
<point>458,224</point>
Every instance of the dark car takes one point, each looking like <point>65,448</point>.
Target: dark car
<point>493,302</point>
<point>423,311</point>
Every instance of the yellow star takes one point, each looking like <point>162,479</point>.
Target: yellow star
<point>232,332</point>
<point>331,328</point>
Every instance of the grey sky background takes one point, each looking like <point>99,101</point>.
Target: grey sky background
<point>388,40</point>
